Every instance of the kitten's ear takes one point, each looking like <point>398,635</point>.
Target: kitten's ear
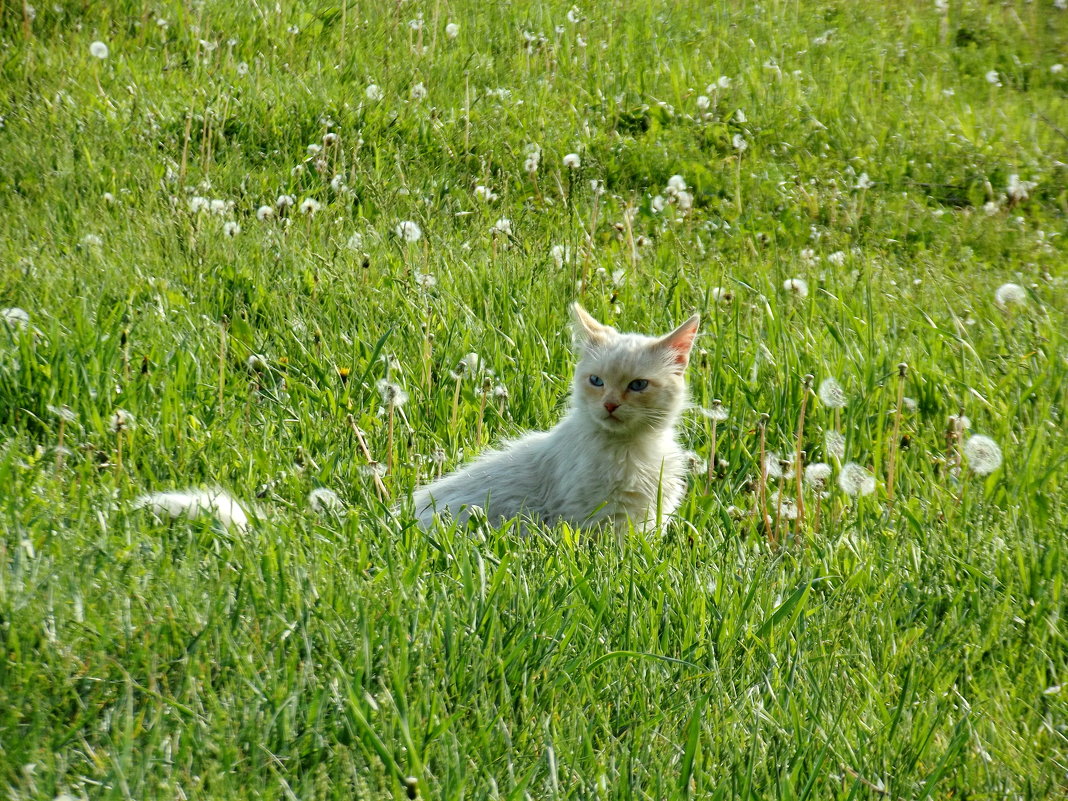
<point>679,342</point>
<point>587,330</point>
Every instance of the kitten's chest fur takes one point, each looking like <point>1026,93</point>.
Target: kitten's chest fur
<point>600,478</point>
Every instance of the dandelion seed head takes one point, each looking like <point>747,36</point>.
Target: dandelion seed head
<point>98,50</point>
<point>703,103</point>
<point>572,161</point>
<point>834,445</point>
<point>231,229</point>
<point>1019,191</point>
<point>1010,295</point>
<point>739,143</point>
<point>284,202</point>
<point>408,230</point>
<point>837,258</point>
<point>425,281</point>
<point>831,394</point>
<point>864,182</point>
<point>797,287</point>
<point>418,92</point>
<point>657,204</point>
<point>772,465</point>
<point>256,363</point>
<point>856,480</point>
<point>120,420</point>
<point>992,77</point>
<point>675,184</point>
<point>817,475</point>
<point>561,255</point>
<point>264,213</point>
<point>322,500</point>
<point>503,227</point>
<point>14,317</point>
<point>64,413</point>
<point>310,206</point>
<point>983,454</point>
<point>391,394</point>
<point>374,92</point>
<point>783,505</point>
<point>355,241</point>
<point>452,30</point>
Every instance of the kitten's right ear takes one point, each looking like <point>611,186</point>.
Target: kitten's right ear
<point>587,330</point>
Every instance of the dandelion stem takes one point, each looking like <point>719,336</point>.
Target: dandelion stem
<point>389,441</point>
<point>712,454</point>
<point>222,363</point>
<point>487,386</point>
<point>118,451</point>
<point>59,447</point>
<point>380,487</point>
<point>455,403</point>
<point>902,372</point>
<point>799,455</point>
<point>762,488</point>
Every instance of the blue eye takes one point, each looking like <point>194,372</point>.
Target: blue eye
<point>596,381</point>
<point>638,384</point>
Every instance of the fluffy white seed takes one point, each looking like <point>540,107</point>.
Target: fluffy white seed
<point>983,454</point>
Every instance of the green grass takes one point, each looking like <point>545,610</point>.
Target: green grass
<point>912,649</point>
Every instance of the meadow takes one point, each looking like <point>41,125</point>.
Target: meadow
<point>329,247</point>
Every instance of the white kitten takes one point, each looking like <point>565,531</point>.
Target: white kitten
<point>612,459</point>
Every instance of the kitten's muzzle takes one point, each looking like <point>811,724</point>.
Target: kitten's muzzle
<point>610,406</point>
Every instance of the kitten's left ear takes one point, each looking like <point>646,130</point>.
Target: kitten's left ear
<point>679,342</point>
<point>587,330</point>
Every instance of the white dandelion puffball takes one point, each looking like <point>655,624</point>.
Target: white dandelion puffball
<point>772,465</point>
<point>194,503</point>
<point>992,78</point>
<point>323,500</point>
<point>284,202</point>
<point>98,50</point>
<point>676,184</point>
<point>561,255</point>
<point>264,213</point>
<point>739,143</point>
<point>864,182</point>
<point>256,363</point>
<point>231,229</point>
<point>408,230</point>
<point>717,412</point>
<point>721,294</point>
<point>797,287</point>
<point>452,30</point>
<point>15,317</point>
<point>1010,295</point>
<point>391,394</point>
<point>355,242</point>
<point>503,226</point>
<point>418,91</point>
<point>855,480</point>
<point>831,394</point>
<point>310,206</point>
<point>572,161</point>
<point>694,463</point>
<point>817,475</point>
<point>983,454</point>
<point>374,92</point>
<point>834,445</point>
<point>703,102</point>
<point>120,420</point>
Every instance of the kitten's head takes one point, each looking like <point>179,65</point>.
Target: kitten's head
<point>630,383</point>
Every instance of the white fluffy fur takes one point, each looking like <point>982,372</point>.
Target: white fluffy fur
<point>193,503</point>
<point>597,465</point>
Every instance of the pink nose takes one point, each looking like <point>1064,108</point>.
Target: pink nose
<point>611,406</point>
